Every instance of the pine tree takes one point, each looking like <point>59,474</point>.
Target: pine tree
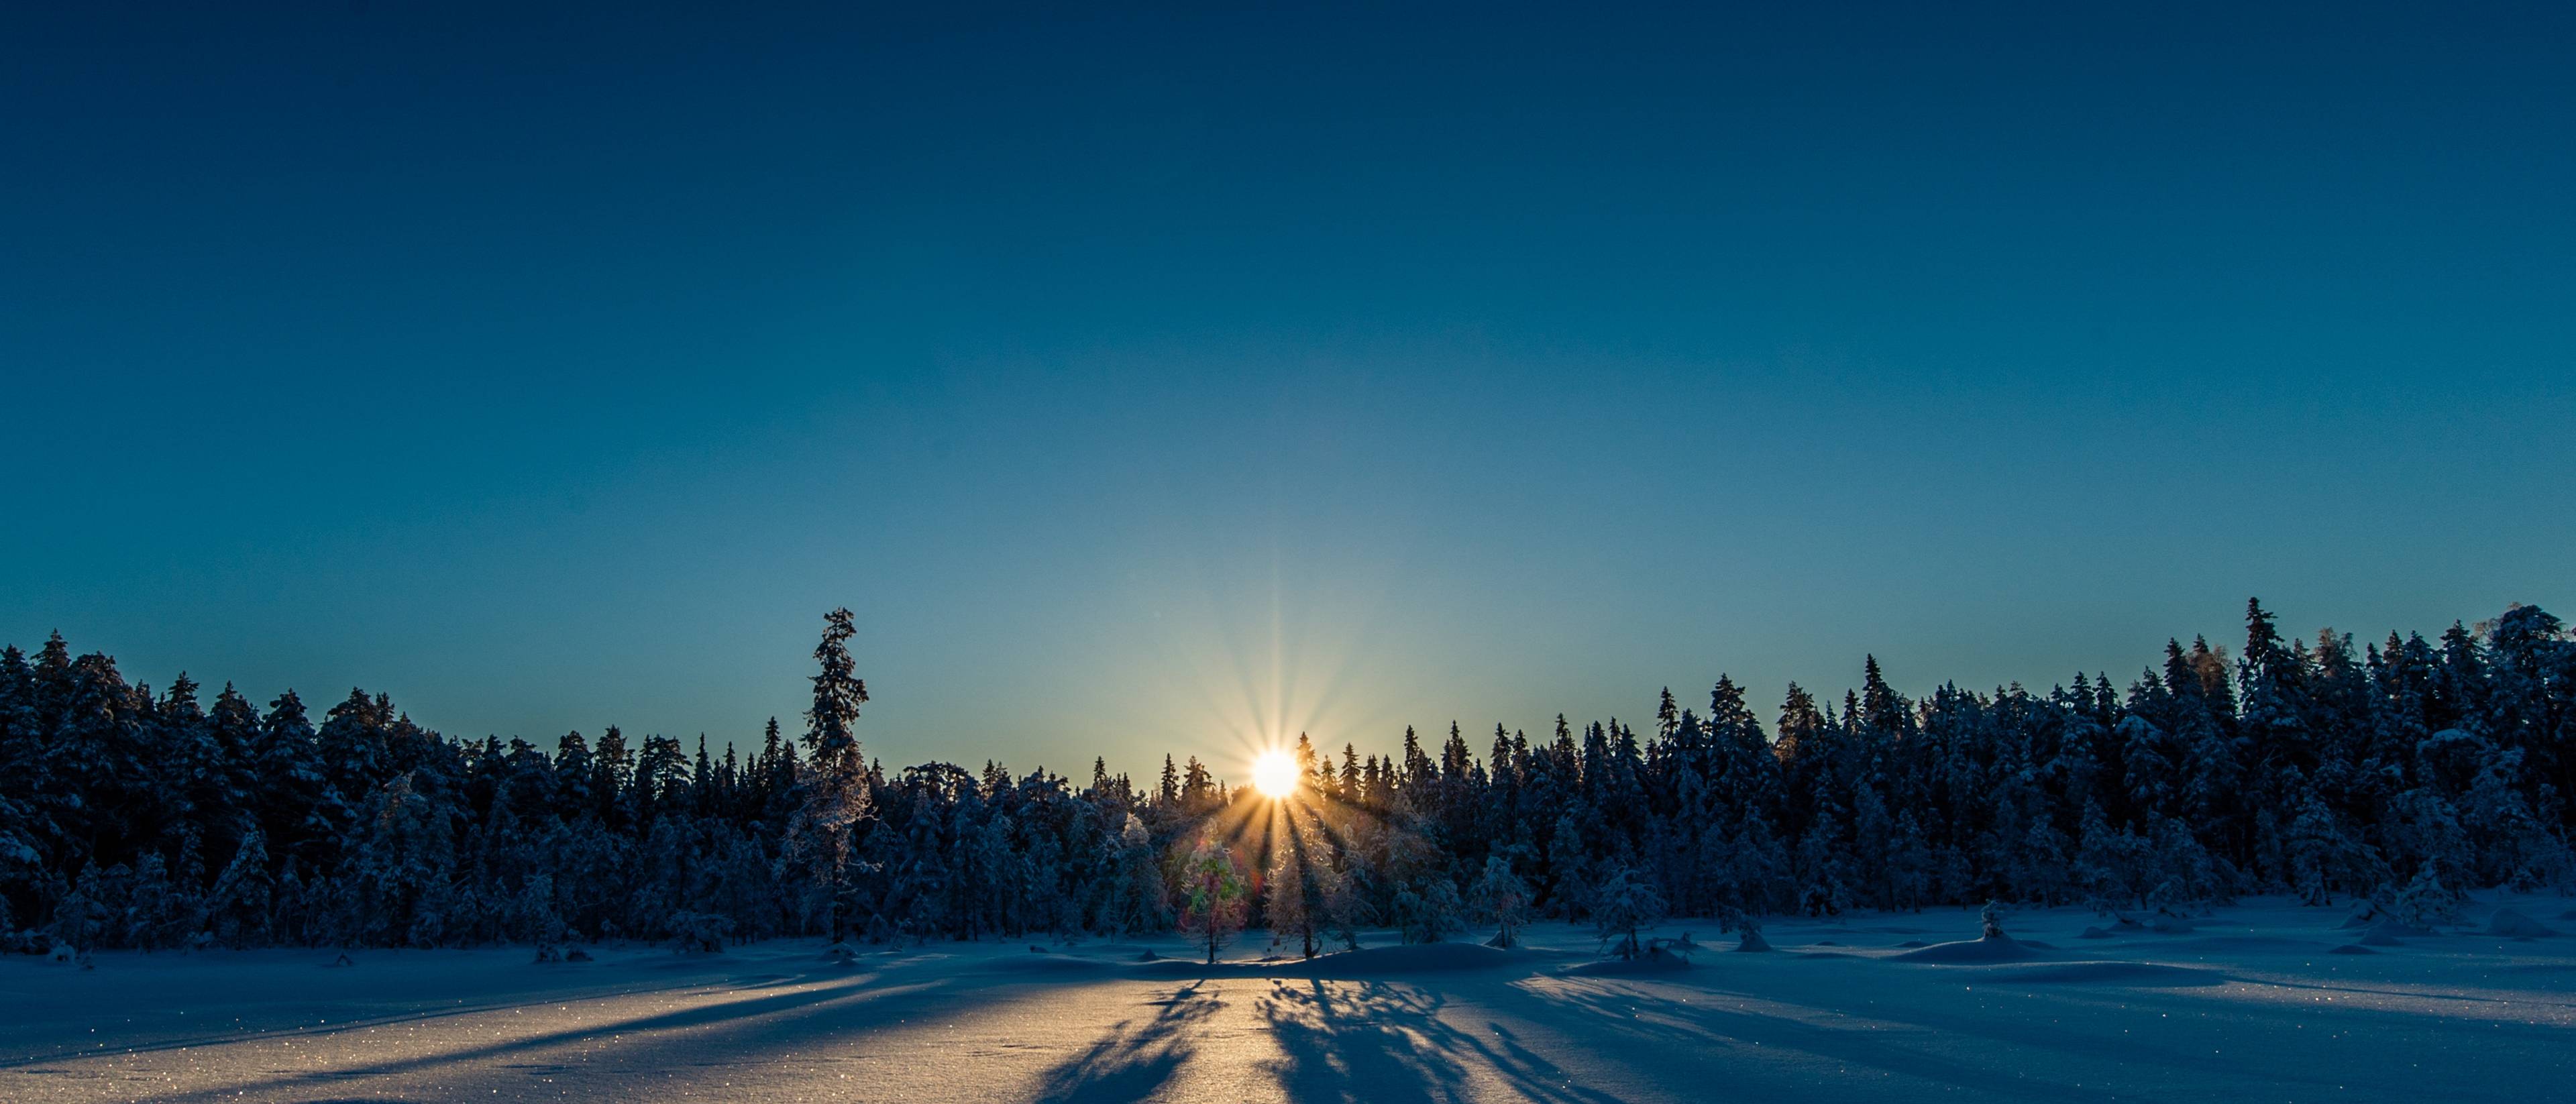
<point>239,905</point>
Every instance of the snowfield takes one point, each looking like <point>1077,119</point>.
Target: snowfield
<point>2259,1002</point>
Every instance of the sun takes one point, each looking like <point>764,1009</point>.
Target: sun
<point>1274,774</point>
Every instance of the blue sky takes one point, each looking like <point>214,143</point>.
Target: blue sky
<point>1149,380</point>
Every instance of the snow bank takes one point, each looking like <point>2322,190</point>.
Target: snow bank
<point>2102,973</point>
<point>2514,925</point>
<point>2257,943</point>
<point>1972,952</point>
<point>1041,964</point>
<point>1367,964</point>
<point>1424,958</point>
<point>1630,967</point>
<point>2390,933</point>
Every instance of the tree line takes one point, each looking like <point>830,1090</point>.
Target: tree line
<point>2405,772</point>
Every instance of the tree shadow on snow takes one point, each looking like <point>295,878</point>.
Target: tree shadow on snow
<point>360,1100</point>
<point>716,1016</point>
<point>1374,1042</point>
<point>1131,1061</point>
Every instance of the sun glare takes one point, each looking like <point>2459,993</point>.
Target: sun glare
<point>1274,774</point>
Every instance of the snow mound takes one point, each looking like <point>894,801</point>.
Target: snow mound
<point>1630,967</point>
<point>2103,973</point>
<point>2172,925</point>
<point>2377,938</point>
<point>1972,952</point>
<point>2091,932</point>
<point>2514,925</point>
<point>2392,931</point>
<point>2244,943</point>
<point>1753,941</point>
<point>1421,958</point>
<point>1040,964</point>
<point>1367,964</point>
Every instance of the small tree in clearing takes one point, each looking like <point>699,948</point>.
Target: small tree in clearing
<point>1502,895</point>
<point>1215,892</point>
<point>2425,901</point>
<point>1622,907</point>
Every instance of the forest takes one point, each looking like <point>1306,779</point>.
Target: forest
<point>2397,776</point>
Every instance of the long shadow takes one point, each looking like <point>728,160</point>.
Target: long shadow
<point>1131,1062</point>
<point>1362,1047</point>
<point>1699,1028</point>
<point>1685,1031</point>
<point>701,1016</point>
<point>1374,1041</point>
<point>541,998</point>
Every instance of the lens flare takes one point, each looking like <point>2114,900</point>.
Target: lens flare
<point>1274,774</point>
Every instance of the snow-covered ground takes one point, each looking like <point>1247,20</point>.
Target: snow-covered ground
<point>2253,1005</point>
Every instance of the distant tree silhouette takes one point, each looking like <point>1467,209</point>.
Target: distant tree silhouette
<point>2402,772</point>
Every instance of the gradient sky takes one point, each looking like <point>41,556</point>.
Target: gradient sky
<point>1148,380</point>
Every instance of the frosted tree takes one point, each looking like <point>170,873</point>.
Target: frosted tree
<point>1297,883</point>
<point>1347,904</point>
<point>1570,868</point>
<point>401,869</point>
<point>1136,900</point>
<point>298,811</point>
<point>1213,889</point>
<point>2425,900</point>
<point>821,836</point>
<point>1624,907</point>
<point>1425,906</point>
<point>239,905</point>
<point>534,916</point>
<point>1504,898</point>
<point>2322,857</point>
<point>351,744</point>
<point>1823,890</point>
<point>2423,830</point>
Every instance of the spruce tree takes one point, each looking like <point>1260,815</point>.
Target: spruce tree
<point>822,835</point>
